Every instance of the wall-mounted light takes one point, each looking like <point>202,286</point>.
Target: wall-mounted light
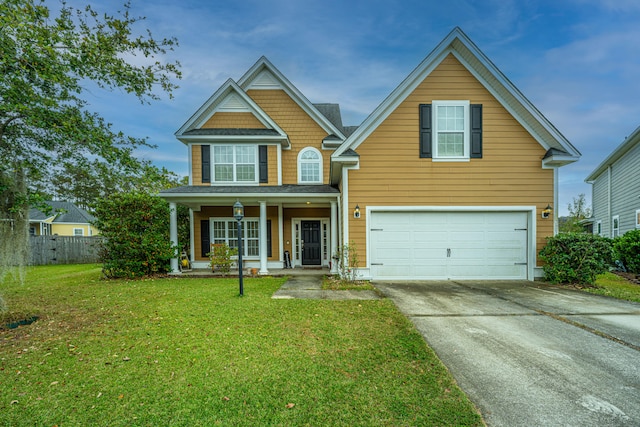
<point>547,212</point>
<point>356,212</point>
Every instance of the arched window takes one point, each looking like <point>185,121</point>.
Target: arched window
<point>309,166</point>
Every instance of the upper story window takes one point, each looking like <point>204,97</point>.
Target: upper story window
<point>615,226</point>
<point>234,163</point>
<point>451,130</point>
<point>310,166</point>
<point>638,218</point>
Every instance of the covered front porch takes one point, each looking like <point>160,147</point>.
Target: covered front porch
<point>283,226</point>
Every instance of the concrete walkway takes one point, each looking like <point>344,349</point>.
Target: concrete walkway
<point>310,287</point>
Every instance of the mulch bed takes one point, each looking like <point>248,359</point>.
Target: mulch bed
<point>632,277</point>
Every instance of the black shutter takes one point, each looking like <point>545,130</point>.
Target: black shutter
<point>476,131</point>
<point>263,162</point>
<point>269,252</point>
<point>205,151</point>
<point>205,240</point>
<point>425,131</point>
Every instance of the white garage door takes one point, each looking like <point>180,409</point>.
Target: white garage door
<point>448,245</point>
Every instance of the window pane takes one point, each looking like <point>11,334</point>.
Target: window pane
<point>245,172</point>
<point>223,172</point>
<point>222,154</point>
<point>450,144</point>
<point>251,229</point>
<point>309,155</point>
<point>450,118</point>
<point>309,172</point>
<point>245,154</point>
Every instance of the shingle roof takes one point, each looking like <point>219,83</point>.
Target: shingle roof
<point>66,212</point>
<point>331,112</point>
<point>232,132</point>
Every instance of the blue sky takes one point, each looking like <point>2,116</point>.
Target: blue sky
<point>577,61</point>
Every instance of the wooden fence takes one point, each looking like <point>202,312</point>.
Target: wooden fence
<point>64,250</point>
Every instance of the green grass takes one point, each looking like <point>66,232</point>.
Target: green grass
<point>612,285</point>
<point>192,352</point>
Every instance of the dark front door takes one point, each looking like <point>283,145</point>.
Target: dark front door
<point>311,250</point>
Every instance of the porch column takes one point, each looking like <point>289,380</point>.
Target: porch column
<point>334,236</point>
<point>263,238</point>
<point>173,235</point>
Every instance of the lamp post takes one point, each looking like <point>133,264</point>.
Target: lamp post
<point>238,214</point>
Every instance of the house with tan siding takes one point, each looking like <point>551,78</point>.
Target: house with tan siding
<point>62,219</point>
<point>449,178</point>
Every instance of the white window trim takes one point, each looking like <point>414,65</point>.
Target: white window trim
<point>320,162</point>
<point>615,231</point>
<point>244,234</point>
<point>81,230</point>
<point>466,133</point>
<point>256,165</point>
<point>599,228</point>
<point>637,218</point>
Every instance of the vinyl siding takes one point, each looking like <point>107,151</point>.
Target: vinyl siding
<point>196,162</point>
<point>233,121</point>
<point>67,229</point>
<point>599,201</point>
<point>392,174</point>
<point>302,130</point>
<point>625,188</point>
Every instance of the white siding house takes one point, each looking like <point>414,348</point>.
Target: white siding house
<point>615,186</point>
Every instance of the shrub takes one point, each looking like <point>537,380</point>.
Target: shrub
<point>347,260</point>
<point>627,250</point>
<point>576,258</point>
<point>136,230</point>
<point>220,258</point>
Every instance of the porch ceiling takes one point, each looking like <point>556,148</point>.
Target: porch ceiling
<point>194,196</point>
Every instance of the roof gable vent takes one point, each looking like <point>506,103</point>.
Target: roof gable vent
<point>233,103</point>
<point>265,80</point>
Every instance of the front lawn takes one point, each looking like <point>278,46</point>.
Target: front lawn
<point>612,285</point>
<point>191,352</point>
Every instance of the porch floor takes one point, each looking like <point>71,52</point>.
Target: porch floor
<point>275,272</point>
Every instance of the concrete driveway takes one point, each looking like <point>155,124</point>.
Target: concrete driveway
<point>529,354</point>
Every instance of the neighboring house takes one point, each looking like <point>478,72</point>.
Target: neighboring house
<point>64,219</point>
<point>615,188</point>
<point>446,179</point>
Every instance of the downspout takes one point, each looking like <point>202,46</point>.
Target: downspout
<point>610,232</point>
<point>556,200</point>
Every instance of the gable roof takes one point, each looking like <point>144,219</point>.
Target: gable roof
<point>264,75</point>
<point>559,149</point>
<point>630,142</point>
<point>64,212</point>
<point>230,97</point>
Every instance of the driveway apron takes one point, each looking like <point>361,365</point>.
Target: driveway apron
<point>530,354</point>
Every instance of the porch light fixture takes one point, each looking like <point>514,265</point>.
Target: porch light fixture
<point>238,214</point>
<point>356,212</point>
<point>547,212</point>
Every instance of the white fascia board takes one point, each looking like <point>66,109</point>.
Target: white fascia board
<point>615,155</point>
<point>454,44</point>
<point>557,161</point>
<point>209,108</point>
<point>292,91</point>
<point>199,139</point>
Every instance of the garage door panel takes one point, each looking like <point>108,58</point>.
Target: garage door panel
<point>449,245</point>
